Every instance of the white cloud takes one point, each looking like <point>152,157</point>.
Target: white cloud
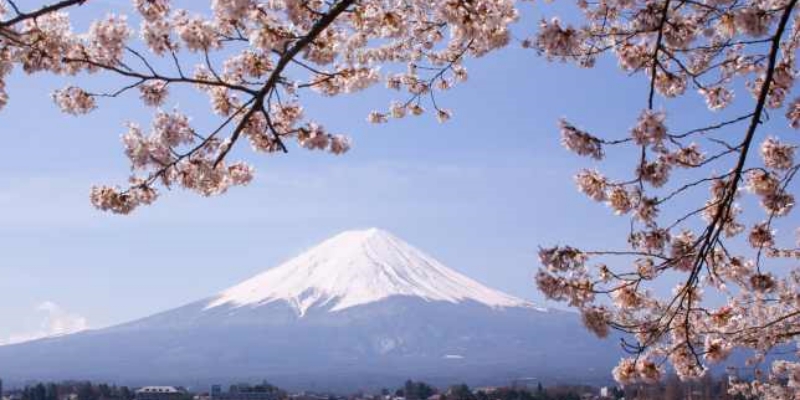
<point>55,321</point>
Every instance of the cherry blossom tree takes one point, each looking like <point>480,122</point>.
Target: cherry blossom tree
<point>255,60</point>
<point>710,249</point>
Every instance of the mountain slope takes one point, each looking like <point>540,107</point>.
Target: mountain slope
<point>362,309</point>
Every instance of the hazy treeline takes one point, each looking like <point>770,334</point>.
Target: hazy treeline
<point>421,390</point>
<point>671,388</point>
<point>76,390</point>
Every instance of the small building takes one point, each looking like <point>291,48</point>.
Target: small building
<point>160,393</point>
<point>309,396</point>
<point>264,391</point>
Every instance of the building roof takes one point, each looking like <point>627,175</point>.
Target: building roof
<point>158,389</point>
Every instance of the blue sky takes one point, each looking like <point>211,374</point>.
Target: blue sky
<point>480,193</point>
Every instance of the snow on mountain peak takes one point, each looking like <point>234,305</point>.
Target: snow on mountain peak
<point>359,267</point>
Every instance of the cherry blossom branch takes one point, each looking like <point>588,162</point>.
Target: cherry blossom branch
<point>40,12</point>
<point>284,60</point>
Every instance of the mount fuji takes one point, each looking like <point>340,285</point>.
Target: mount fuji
<point>362,309</point>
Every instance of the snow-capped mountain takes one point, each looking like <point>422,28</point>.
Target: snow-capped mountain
<point>362,309</point>
<point>359,267</point>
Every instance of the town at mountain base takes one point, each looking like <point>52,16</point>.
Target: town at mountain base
<point>362,309</point>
